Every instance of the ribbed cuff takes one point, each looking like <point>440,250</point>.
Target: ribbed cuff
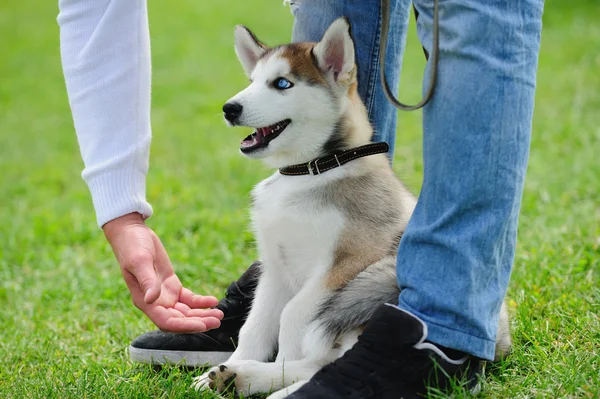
<point>117,193</point>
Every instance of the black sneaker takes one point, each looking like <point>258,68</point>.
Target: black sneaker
<point>208,348</point>
<point>392,360</point>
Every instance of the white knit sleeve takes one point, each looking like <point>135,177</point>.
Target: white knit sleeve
<point>105,50</point>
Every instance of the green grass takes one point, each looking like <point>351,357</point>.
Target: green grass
<point>66,318</point>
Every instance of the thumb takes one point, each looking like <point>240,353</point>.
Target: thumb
<point>152,289</point>
<point>147,279</point>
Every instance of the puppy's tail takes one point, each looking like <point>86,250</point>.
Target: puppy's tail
<point>503,341</point>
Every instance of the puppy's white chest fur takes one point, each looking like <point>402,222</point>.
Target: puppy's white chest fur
<point>296,234</point>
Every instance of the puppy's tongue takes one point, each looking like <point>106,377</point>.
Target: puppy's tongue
<point>261,132</point>
<point>253,139</point>
<point>264,131</point>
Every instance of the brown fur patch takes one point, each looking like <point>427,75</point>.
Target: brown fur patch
<point>353,93</point>
<point>351,257</point>
<point>302,63</point>
<point>376,207</point>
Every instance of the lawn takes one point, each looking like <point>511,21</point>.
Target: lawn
<point>66,318</point>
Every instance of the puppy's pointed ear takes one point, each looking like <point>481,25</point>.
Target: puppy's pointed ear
<point>335,51</point>
<point>248,48</point>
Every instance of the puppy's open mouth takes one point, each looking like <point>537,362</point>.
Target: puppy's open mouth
<point>262,136</point>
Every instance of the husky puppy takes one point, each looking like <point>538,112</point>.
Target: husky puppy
<point>327,228</point>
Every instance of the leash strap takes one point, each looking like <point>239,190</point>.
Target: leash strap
<point>322,165</point>
<point>385,27</point>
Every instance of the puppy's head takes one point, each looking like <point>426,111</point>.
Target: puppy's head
<point>298,97</point>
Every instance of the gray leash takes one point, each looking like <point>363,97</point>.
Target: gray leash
<point>385,27</point>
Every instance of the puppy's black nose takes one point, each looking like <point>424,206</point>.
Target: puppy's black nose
<point>232,111</point>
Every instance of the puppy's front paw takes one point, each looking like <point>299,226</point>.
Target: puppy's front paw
<point>202,382</point>
<point>219,378</point>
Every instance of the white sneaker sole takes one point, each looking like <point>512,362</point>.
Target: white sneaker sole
<point>181,358</point>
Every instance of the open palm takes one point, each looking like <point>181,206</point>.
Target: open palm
<point>154,287</point>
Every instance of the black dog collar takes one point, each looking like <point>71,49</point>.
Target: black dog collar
<point>322,165</point>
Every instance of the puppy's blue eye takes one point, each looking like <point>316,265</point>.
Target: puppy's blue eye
<point>282,84</point>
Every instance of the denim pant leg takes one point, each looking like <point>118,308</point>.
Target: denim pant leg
<point>311,19</point>
<point>455,258</point>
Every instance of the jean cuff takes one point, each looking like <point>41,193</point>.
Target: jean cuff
<point>118,192</point>
<point>454,339</point>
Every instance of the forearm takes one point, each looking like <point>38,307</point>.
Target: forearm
<point>105,52</point>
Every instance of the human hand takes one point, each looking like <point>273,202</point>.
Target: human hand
<point>154,287</point>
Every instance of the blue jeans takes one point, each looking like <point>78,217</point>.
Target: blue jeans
<point>455,258</point>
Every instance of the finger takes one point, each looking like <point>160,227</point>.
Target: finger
<point>137,295</point>
<point>175,313</point>
<point>205,313</point>
<point>184,325</point>
<point>164,318</point>
<point>183,308</point>
<point>197,301</point>
<point>210,322</point>
<point>153,293</point>
<point>164,267</point>
<point>167,320</point>
<point>188,325</point>
<point>141,266</point>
